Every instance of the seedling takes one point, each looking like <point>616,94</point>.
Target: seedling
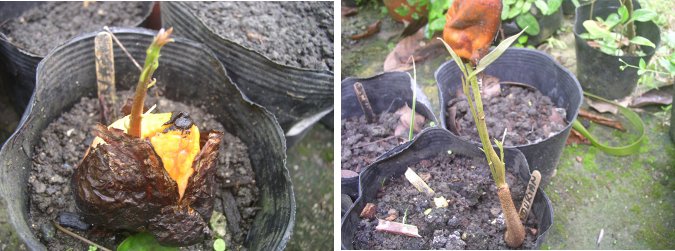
<point>616,35</point>
<point>515,232</point>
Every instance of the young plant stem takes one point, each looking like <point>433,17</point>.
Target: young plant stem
<point>630,26</point>
<point>515,232</point>
<point>145,81</point>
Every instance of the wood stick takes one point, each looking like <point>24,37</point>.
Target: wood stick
<point>397,228</point>
<point>602,120</point>
<point>529,195</point>
<point>85,240</point>
<point>105,77</point>
<point>418,182</point>
<point>364,102</point>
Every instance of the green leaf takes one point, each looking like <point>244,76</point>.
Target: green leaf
<point>553,6</point>
<point>528,23</point>
<point>643,64</point>
<point>505,11</point>
<point>623,12</point>
<point>526,8</point>
<point>494,54</point>
<point>415,16</point>
<point>639,40</point>
<point>523,39</point>
<point>402,10</point>
<point>219,245</point>
<point>142,242</point>
<point>92,248</point>
<point>513,12</point>
<point>437,24</point>
<point>455,57</point>
<point>612,20</point>
<point>594,29</point>
<point>541,4</point>
<point>643,15</point>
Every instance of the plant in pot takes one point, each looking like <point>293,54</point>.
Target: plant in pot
<point>30,30</point>
<point>279,54</point>
<point>532,107</point>
<point>542,17</point>
<point>376,117</point>
<point>607,33</point>
<point>250,190</point>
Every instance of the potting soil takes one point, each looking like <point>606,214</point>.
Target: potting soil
<point>297,34</point>
<point>363,142</point>
<point>48,25</point>
<point>472,220</point>
<point>63,144</point>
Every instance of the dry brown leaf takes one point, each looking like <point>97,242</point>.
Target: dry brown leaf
<point>404,121</point>
<point>576,138</point>
<point>602,107</point>
<point>349,11</point>
<point>371,30</point>
<point>417,47</point>
<point>662,96</point>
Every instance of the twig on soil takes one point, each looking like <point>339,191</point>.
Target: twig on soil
<point>85,240</point>
<point>397,228</point>
<point>364,102</point>
<point>418,183</point>
<point>123,48</point>
<point>602,120</point>
<point>105,77</point>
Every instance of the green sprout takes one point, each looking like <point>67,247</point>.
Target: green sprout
<point>515,232</point>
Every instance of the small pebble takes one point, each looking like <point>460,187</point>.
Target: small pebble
<point>48,231</point>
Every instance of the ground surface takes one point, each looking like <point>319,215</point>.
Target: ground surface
<point>631,199</point>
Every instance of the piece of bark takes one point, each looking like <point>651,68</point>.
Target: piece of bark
<point>397,228</point>
<point>368,211</point>
<point>372,29</point>
<point>576,138</point>
<point>362,97</point>
<point>231,212</point>
<point>601,120</point>
<point>105,77</point>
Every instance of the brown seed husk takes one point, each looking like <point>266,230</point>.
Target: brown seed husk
<point>123,185</point>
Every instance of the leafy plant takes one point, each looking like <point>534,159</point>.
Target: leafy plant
<point>436,16</point>
<point>615,35</point>
<point>418,6</point>
<point>515,232</point>
<point>142,242</point>
<point>219,245</point>
<point>524,11</point>
<point>663,65</point>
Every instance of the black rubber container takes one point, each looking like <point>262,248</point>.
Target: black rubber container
<point>22,63</point>
<point>190,73</point>
<point>534,68</point>
<point>547,26</point>
<point>598,72</point>
<point>387,92</point>
<point>297,97</point>
<point>428,144</point>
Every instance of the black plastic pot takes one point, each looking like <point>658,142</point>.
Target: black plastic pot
<point>190,73</point>
<point>387,92</point>
<point>297,97</point>
<point>598,72</point>
<point>9,113</point>
<point>429,144</point>
<point>547,26</point>
<point>534,68</point>
<point>22,63</point>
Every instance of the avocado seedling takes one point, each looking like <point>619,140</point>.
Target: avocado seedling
<point>461,26</point>
<point>149,171</point>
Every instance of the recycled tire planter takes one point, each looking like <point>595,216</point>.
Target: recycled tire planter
<point>536,69</point>
<point>297,97</point>
<point>190,72</point>
<point>548,24</point>
<point>599,73</point>
<point>387,92</point>
<point>427,144</point>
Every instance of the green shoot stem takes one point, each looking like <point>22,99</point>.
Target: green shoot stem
<point>145,81</point>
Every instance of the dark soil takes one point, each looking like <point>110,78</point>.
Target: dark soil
<point>363,142</point>
<point>48,25</point>
<point>62,146</point>
<point>528,115</point>
<point>297,34</point>
<point>473,219</point>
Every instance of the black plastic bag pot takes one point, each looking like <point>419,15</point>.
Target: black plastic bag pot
<point>9,113</point>
<point>191,73</point>
<point>387,92</point>
<point>539,70</point>
<point>22,63</point>
<point>548,24</point>
<point>429,144</point>
<point>599,73</point>
<point>297,97</point>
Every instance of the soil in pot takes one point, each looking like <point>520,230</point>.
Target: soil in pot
<point>527,115</point>
<point>48,25</point>
<point>63,144</point>
<point>472,220</point>
<point>363,142</point>
<point>297,34</point>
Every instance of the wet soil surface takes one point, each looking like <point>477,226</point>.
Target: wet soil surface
<point>297,34</point>
<point>63,144</point>
<point>473,219</point>
<point>528,116</point>
<point>48,25</point>
<point>363,142</point>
